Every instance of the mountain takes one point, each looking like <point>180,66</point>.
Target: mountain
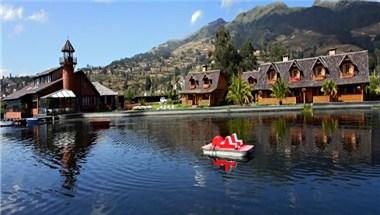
<point>302,31</point>
<point>346,24</point>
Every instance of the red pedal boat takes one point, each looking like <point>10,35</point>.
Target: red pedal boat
<point>229,147</point>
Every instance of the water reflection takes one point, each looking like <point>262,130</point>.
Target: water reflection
<point>226,165</point>
<point>303,160</point>
<point>62,146</point>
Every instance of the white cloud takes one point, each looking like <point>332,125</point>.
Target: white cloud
<point>38,16</point>
<point>227,3</point>
<point>10,13</point>
<point>196,16</point>
<point>4,72</point>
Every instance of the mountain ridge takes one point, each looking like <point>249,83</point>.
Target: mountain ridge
<point>301,31</point>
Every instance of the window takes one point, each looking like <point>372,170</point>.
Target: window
<point>295,74</point>
<point>347,69</point>
<point>192,83</point>
<point>272,75</point>
<point>319,71</point>
<point>206,83</point>
<point>252,81</point>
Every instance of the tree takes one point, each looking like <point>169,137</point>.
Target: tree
<point>280,90</point>
<point>248,58</point>
<point>377,53</point>
<point>329,88</point>
<point>374,84</point>
<point>129,95</point>
<point>225,55</point>
<point>276,52</point>
<point>239,91</point>
<point>148,83</point>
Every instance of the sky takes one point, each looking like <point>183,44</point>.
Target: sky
<point>101,31</point>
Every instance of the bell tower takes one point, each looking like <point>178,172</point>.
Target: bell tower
<point>68,62</point>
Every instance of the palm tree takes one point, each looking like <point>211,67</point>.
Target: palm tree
<point>280,90</point>
<point>239,91</point>
<point>374,84</point>
<point>329,88</point>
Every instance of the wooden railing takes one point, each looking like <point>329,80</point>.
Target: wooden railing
<point>290,100</point>
<point>268,101</point>
<point>13,115</point>
<point>319,78</point>
<point>204,102</point>
<point>275,101</point>
<point>34,111</point>
<point>351,98</point>
<point>321,99</point>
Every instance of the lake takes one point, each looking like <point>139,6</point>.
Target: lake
<point>328,163</point>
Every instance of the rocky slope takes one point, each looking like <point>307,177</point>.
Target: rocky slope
<point>302,31</point>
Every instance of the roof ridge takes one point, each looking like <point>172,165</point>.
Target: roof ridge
<point>321,56</point>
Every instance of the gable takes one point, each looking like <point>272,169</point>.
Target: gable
<point>84,85</point>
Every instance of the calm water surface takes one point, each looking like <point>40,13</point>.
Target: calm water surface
<point>321,164</point>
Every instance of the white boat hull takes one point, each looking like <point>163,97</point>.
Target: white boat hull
<point>227,153</point>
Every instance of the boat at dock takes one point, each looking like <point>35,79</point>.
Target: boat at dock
<point>6,123</point>
<point>229,147</point>
<point>32,121</point>
<point>100,123</point>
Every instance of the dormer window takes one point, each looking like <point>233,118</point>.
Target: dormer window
<point>347,68</point>
<point>319,71</point>
<point>206,82</point>
<point>294,73</point>
<point>252,81</point>
<point>192,83</point>
<point>272,75</point>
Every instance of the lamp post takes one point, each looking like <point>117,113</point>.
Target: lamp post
<point>304,95</point>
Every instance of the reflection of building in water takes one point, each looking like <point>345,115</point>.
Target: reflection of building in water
<point>376,138</point>
<point>66,145</point>
<point>191,132</point>
<point>334,134</point>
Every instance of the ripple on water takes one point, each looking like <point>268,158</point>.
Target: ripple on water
<point>147,165</point>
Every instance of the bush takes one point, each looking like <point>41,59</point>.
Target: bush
<point>142,102</point>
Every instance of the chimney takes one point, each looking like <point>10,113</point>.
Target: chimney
<point>332,51</point>
<point>204,68</point>
<point>285,58</point>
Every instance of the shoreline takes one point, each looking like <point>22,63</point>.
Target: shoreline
<point>223,109</point>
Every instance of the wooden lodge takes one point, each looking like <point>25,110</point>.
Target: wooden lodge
<point>305,77</point>
<point>59,90</point>
<point>207,88</point>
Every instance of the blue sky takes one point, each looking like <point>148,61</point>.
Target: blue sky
<point>33,32</point>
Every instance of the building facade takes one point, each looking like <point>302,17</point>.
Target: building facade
<point>57,90</point>
<point>305,77</point>
<point>207,88</point>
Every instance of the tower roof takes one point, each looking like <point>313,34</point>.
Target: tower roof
<point>68,47</point>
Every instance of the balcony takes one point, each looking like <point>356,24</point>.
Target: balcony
<point>294,79</point>
<point>68,60</point>
<point>271,81</point>
<point>319,77</point>
<point>206,86</point>
<point>347,75</point>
